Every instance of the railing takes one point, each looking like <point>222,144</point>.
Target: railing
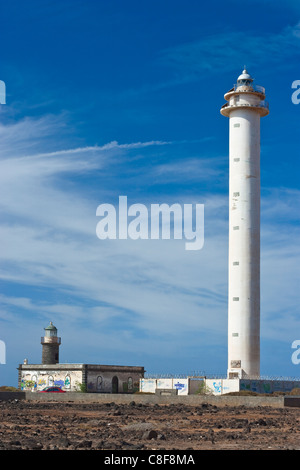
<point>218,376</point>
<point>258,88</point>
<point>168,375</point>
<point>262,104</point>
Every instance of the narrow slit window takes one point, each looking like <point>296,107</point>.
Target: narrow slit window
<point>236,194</point>
<point>236,227</point>
<point>235,299</point>
<point>236,159</point>
<point>237,125</point>
<point>236,263</point>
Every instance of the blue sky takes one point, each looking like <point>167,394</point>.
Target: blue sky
<point>122,98</point>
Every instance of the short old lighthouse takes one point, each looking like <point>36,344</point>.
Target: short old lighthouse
<point>245,106</point>
<point>50,343</point>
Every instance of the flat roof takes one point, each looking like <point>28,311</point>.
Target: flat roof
<point>63,366</point>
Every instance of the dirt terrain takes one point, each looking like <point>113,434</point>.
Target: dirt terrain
<point>31,425</point>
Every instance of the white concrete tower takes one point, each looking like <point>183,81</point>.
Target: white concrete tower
<point>245,106</point>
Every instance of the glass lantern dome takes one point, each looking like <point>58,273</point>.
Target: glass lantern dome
<point>244,79</point>
<point>50,331</point>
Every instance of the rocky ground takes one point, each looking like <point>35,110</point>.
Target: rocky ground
<point>28,425</point>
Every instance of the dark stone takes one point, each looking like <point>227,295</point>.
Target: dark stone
<point>84,444</point>
<point>262,422</point>
<point>150,435</point>
<point>62,442</point>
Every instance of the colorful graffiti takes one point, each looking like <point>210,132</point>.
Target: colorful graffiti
<point>27,384</point>
<point>59,383</point>
<point>217,386</point>
<point>68,382</point>
<point>179,386</point>
<point>40,382</point>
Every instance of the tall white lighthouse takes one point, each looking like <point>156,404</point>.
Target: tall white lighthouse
<point>245,106</point>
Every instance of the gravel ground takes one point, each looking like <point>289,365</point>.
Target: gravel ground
<point>26,425</point>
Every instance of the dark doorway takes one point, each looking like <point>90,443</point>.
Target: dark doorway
<point>115,384</point>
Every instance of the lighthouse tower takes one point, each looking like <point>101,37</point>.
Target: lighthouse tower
<point>50,343</point>
<point>245,106</point>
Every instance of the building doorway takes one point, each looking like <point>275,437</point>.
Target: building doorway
<point>115,384</point>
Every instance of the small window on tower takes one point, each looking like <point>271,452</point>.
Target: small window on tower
<point>236,125</point>
<point>236,227</point>
<point>236,194</point>
<point>235,299</point>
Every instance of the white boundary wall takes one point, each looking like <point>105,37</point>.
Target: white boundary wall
<point>150,385</point>
<point>190,385</point>
<point>221,386</point>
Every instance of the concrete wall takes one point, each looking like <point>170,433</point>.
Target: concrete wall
<point>293,401</point>
<point>190,385</point>
<point>221,386</point>
<point>269,386</point>
<point>150,385</point>
<point>217,387</point>
<point>6,396</point>
<point>193,400</point>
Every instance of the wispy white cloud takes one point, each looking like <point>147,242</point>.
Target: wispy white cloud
<point>109,146</point>
<point>152,289</point>
<point>48,231</point>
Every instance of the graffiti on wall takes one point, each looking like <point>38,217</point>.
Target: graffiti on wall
<point>68,382</point>
<point>217,386</point>
<point>267,386</point>
<point>59,383</point>
<point>27,384</point>
<point>40,382</point>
